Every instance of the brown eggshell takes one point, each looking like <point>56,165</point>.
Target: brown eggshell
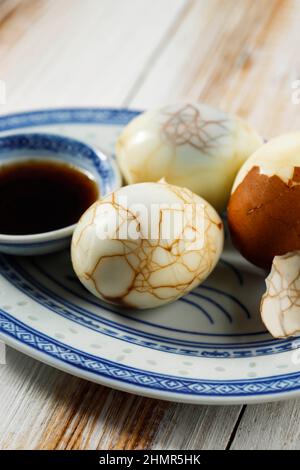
<point>264,216</point>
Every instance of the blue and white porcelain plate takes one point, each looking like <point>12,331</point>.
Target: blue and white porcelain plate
<point>208,347</point>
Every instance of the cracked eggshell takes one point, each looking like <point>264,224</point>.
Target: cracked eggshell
<point>280,305</point>
<point>190,145</point>
<point>264,207</point>
<point>145,272</point>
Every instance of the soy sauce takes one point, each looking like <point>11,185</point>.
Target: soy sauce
<point>40,196</point>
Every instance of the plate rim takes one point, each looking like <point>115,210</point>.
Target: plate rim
<point>34,336</point>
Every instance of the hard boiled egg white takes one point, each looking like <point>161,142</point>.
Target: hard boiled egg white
<point>191,145</point>
<point>128,252</point>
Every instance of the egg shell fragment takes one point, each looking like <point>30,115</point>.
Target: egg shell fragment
<point>280,305</point>
<point>191,145</point>
<point>145,272</point>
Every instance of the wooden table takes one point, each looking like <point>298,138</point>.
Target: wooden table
<point>241,55</point>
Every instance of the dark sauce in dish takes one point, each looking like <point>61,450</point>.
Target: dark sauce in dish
<point>41,196</point>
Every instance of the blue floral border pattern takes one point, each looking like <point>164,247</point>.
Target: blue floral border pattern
<point>98,366</point>
<point>104,116</point>
<point>15,274</point>
<point>64,145</point>
<point>140,378</point>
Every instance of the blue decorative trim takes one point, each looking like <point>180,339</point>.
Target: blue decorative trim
<point>103,116</point>
<point>231,297</point>
<point>213,302</point>
<point>141,378</point>
<point>50,300</point>
<point>235,271</point>
<point>35,283</point>
<point>55,144</point>
<point>96,303</point>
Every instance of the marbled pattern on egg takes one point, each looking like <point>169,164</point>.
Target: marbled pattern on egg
<point>151,269</point>
<point>190,145</point>
<point>280,305</point>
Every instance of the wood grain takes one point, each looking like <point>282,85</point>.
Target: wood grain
<point>42,408</point>
<point>74,52</point>
<point>239,55</point>
<point>273,426</point>
<point>7,7</point>
<point>242,56</point>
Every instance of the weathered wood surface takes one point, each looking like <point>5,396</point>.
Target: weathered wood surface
<point>239,55</point>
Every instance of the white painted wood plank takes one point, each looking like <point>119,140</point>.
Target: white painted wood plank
<point>47,409</point>
<point>74,52</point>
<point>241,56</point>
<point>196,427</point>
<point>273,426</point>
<point>7,6</point>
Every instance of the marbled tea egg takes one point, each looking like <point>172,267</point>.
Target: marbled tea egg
<point>190,145</point>
<point>146,244</point>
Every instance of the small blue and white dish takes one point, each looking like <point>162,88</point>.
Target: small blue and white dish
<point>54,148</point>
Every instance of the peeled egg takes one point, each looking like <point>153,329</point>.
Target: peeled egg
<point>146,244</point>
<point>190,145</point>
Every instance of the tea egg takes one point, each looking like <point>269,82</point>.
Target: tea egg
<point>191,145</point>
<point>264,208</point>
<point>146,244</point>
